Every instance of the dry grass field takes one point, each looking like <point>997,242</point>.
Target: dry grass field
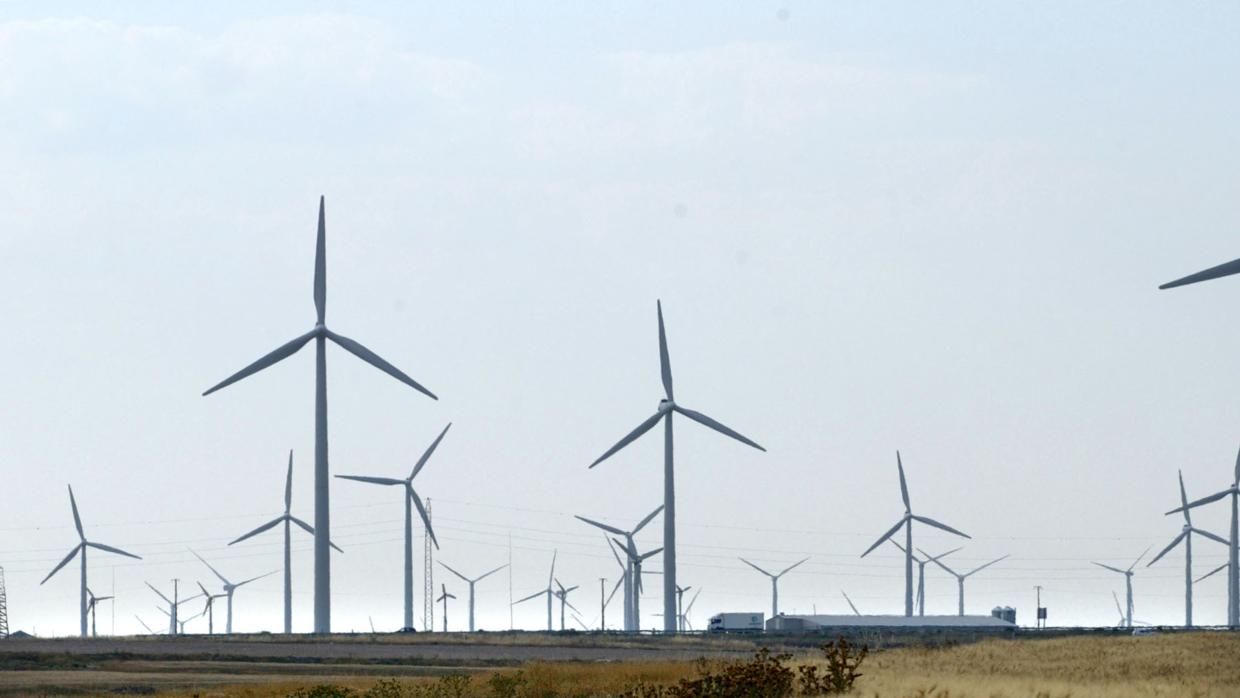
<point>1197,664</point>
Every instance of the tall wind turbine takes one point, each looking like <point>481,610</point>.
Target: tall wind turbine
<point>320,334</point>
<point>444,598</point>
<point>548,591</point>
<point>81,547</point>
<point>1186,535</point>
<point>471,583</point>
<point>90,606</point>
<point>631,547</point>
<point>1233,557</point>
<point>907,522</point>
<point>1127,580</point>
<point>210,607</point>
<point>230,588</point>
<point>635,562</point>
<point>562,595</point>
<point>921,574</point>
<point>774,582</point>
<point>411,500</point>
<point>667,407</point>
<point>287,519</point>
<point>961,577</point>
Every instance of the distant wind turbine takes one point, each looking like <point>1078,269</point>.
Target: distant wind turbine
<point>667,407</point>
<point>80,548</point>
<point>921,574</point>
<point>230,588</point>
<point>562,595</point>
<point>444,598</point>
<point>471,583</point>
<point>174,604</point>
<point>411,500</point>
<point>961,577</point>
<point>287,518</point>
<point>631,547</point>
<point>684,617</point>
<point>1186,536</point>
<point>548,591</point>
<point>320,334</point>
<point>90,606</point>
<point>1233,557</point>
<point>850,603</point>
<point>907,522</point>
<point>180,624</point>
<point>1127,580</point>
<point>635,563</point>
<point>209,609</point>
<point>774,582</point>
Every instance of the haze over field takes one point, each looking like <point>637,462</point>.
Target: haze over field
<point>872,227</point>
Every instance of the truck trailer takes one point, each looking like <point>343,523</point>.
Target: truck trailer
<point>736,623</point>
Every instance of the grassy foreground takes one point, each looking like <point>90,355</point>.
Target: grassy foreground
<point>1190,665</point>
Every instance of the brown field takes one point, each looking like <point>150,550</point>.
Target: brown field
<point>1180,664</point>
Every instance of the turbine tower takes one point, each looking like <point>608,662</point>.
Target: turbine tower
<point>1233,563</point>
<point>1127,580</point>
<point>1186,536</point>
<point>960,577</point>
<point>631,547</point>
<point>209,610</point>
<point>411,500</point>
<point>230,588</point>
<point>562,595</point>
<point>320,334</point>
<point>287,519</point>
<point>471,583</point>
<point>548,591</point>
<point>907,522</point>
<point>774,582</point>
<point>81,547</point>
<point>90,606</point>
<point>444,598</point>
<point>635,562</point>
<point>921,575</point>
<point>667,407</point>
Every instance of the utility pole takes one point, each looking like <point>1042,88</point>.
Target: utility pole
<point>4,608</point>
<point>1041,614</point>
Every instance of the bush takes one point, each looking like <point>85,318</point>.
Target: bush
<point>324,690</point>
<point>843,660</point>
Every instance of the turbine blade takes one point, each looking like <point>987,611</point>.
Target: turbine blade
<point>1211,536</point>
<point>605,527</point>
<point>267,526</point>
<point>627,552</point>
<point>77,520</point>
<point>1236,481</point>
<point>793,567</point>
<point>488,574</point>
<point>279,354</point>
<point>614,589</point>
<point>288,484</point>
<point>988,564</point>
<point>747,562</point>
<point>254,579</point>
<point>1108,567</point>
<point>692,601</point>
<point>554,555</point>
<point>850,603</point>
<point>665,362</point>
<point>652,553</point>
<point>903,483</point>
<point>204,591</point>
<point>1172,544</point>
<point>1212,572</point>
<point>531,596</point>
<point>632,436</point>
<point>426,456</point>
<point>938,561</point>
<point>1184,500</point>
<point>372,480</point>
<point>426,519</point>
<point>707,421</point>
<point>463,577</point>
<point>614,553</point>
<point>160,593</point>
<point>110,549</point>
<point>566,603</point>
<point>649,517</point>
<point>63,562</point>
<point>1204,500</point>
<point>1226,269</point>
<point>931,522</point>
<point>1134,564</point>
<point>940,556</point>
<point>1117,606</point>
<point>213,570</point>
<point>320,266</point>
<point>310,529</point>
<point>375,360</point>
<point>886,535</point>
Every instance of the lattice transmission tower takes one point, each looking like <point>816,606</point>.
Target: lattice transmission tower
<point>4,608</point>
<point>428,577</point>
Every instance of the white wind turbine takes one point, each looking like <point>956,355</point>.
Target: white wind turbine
<point>1127,580</point>
<point>907,522</point>
<point>411,500</point>
<point>320,334</point>
<point>230,588</point>
<point>774,582</point>
<point>1186,536</point>
<point>921,575</point>
<point>548,591</point>
<point>174,604</point>
<point>444,598</point>
<point>287,519</point>
<point>684,616</point>
<point>961,577</point>
<point>635,564</point>
<point>631,547</point>
<point>668,407</point>
<point>209,609</point>
<point>1233,557</point>
<point>471,583</point>
<point>179,623</point>
<point>562,595</point>
<point>90,606</point>
<point>80,548</point>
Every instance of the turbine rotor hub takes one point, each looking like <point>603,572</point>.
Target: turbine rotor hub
<point>666,405</point>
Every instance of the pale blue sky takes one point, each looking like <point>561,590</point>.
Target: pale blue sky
<point>933,227</point>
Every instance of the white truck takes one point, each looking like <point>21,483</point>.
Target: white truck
<point>736,623</point>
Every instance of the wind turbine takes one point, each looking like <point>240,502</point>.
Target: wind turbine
<point>287,518</point>
<point>774,582</point>
<point>230,588</point>
<point>562,595</point>
<point>320,334</point>
<point>635,562</point>
<point>1186,535</point>
<point>90,606</point>
<point>626,579</point>
<point>548,591</point>
<point>680,607</point>
<point>961,577</point>
<point>210,607</point>
<point>684,617</point>
<point>174,604</point>
<point>180,624</point>
<point>81,547</point>
<point>471,583</point>
<point>907,522</point>
<point>411,499</point>
<point>1233,557</point>
<point>921,575</point>
<point>631,547</point>
<point>667,407</point>
<point>1127,580</point>
<point>850,603</point>
<point>444,598</point>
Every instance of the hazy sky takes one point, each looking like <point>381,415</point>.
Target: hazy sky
<point>872,225</point>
